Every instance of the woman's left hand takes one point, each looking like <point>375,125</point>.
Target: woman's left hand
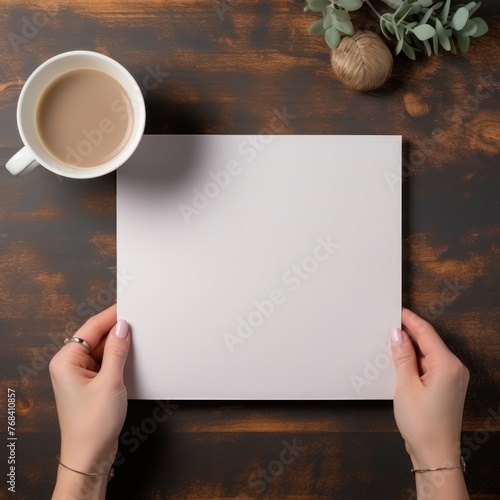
<point>91,398</point>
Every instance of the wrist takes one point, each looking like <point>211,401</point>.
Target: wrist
<point>434,458</point>
<point>87,461</point>
<point>70,484</point>
<point>446,482</point>
<point>103,468</point>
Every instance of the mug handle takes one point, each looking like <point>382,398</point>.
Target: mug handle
<point>22,162</point>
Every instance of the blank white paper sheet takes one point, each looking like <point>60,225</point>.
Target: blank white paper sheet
<point>260,267</point>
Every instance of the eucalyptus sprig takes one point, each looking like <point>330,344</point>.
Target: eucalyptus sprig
<point>413,25</point>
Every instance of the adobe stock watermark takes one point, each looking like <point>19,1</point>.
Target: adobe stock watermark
<point>103,299</point>
<point>372,368</point>
<point>121,110</point>
<point>30,27</point>
<point>91,486</point>
<point>248,149</point>
<point>221,7</point>
<point>454,118</point>
<point>259,481</point>
<point>107,295</point>
<point>132,438</point>
<point>130,441</point>
<point>466,447</point>
<point>293,278</point>
<point>152,79</point>
<point>449,293</point>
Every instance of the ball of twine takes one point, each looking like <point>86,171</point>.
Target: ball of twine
<point>362,61</point>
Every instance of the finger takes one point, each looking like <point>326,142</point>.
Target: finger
<point>98,350</point>
<point>71,363</point>
<point>95,328</point>
<point>404,358</point>
<point>422,361</point>
<point>87,363</point>
<point>423,365</point>
<point>422,333</point>
<point>116,350</point>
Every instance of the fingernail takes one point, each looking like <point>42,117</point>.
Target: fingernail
<point>121,330</point>
<point>397,336</point>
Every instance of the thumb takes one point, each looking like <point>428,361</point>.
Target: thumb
<point>116,349</point>
<point>404,358</point>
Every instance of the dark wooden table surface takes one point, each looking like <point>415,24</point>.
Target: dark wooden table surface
<point>227,67</point>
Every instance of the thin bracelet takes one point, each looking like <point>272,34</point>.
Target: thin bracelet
<point>109,475</point>
<point>462,466</point>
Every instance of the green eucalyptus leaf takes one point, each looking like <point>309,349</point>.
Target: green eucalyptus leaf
<point>415,8</point>
<point>383,30</point>
<point>445,11</point>
<point>349,4</point>
<point>414,42</point>
<point>439,29</point>
<point>400,11</point>
<point>441,33</point>
<point>463,42</point>
<point>399,46</point>
<point>317,28</point>
<point>317,5</point>
<point>401,33</point>
<point>394,26</point>
<point>472,7</point>
<point>427,47</point>
<point>403,12</point>
<point>446,44</point>
<point>425,3</point>
<point>345,27</point>
<point>328,20</point>
<point>332,37</point>
<point>424,32</point>
<point>453,46</point>
<point>393,4</point>
<point>435,44</point>
<point>341,15</point>
<point>482,27</point>
<point>469,29</point>
<point>459,19</point>
<point>408,51</point>
<point>386,27</point>
<point>426,16</point>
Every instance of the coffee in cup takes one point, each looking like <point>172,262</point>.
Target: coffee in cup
<point>84,118</point>
<point>80,115</point>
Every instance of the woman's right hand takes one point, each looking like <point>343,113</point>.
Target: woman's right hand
<point>430,393</point>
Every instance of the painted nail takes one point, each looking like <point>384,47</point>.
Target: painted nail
<point>121,330</point>
<point>397,336</point>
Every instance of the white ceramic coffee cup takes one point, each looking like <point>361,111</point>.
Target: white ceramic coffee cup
<point>34,152</point>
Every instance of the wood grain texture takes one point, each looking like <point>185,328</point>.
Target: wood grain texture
<point>228,67</point>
